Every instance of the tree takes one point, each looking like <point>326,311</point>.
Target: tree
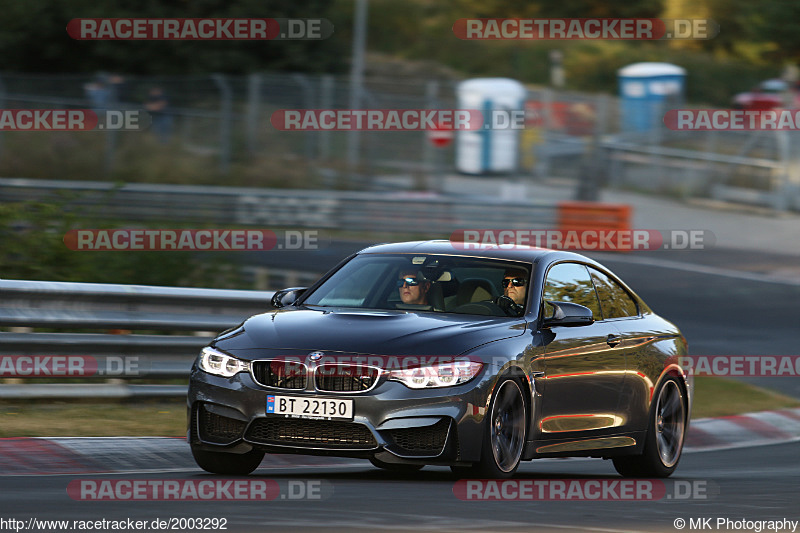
<point>33,38</point>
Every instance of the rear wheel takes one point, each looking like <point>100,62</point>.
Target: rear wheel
<point>227,463</point>
<point>665,436</point>
<point>504,438</point>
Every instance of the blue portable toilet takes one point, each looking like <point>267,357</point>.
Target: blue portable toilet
<point>645,90</point>
<point>489,150</point>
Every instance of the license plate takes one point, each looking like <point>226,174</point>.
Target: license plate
<point>320,408</point>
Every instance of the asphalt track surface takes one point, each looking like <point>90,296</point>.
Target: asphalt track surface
<point>722,310</point>
<point>750,483</point>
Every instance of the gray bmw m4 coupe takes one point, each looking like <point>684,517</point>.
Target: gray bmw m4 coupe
<point>438,353</point>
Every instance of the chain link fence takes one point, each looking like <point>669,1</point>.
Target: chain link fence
<point>226,119</point>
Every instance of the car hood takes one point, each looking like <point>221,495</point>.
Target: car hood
<point>364,332</point>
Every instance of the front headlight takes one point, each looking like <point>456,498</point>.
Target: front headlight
<point>221,364</point>
<point>440,375</point>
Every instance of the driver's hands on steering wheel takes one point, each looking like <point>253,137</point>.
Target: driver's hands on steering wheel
<point>509,306</point>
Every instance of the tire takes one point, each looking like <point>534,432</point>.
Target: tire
<point>227,463</point>
<point>395,467</point>
<point>504,437</point>
<point>666,433</point>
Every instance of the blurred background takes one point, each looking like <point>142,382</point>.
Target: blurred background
<point>585,131</point>
<point>593,132</point>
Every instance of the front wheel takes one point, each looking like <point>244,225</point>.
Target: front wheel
<point>504,437</point>
<point>227,463</point>
<point>665,436</point>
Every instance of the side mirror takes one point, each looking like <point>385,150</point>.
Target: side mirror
<point>286,297</point>
<point>567,314</point>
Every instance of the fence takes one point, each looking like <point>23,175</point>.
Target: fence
<point>186,319</point>
<point>228,118</point>
<point>690,173</point>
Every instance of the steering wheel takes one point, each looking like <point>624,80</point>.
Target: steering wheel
<point>486,308</point>
<point>509,306</point>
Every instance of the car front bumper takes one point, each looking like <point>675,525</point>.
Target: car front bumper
<point>391,422</point>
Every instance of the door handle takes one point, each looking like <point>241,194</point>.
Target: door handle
<point>613,340</point>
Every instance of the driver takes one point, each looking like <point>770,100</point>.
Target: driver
<point>413,287</point>
<point>515,290</point>
<point>515,285</point>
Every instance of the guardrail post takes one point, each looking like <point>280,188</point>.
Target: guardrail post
<point>2,106</point>
<point>225,116</point>
<point>253,109</point>
<point>543,164</point>
<point>710,167</point>
<point>430,158</point>
<point>308,103</point>
<point>790,160</point>
<point>111,139</point>
<point>357,84</point>
<point>327,91</point>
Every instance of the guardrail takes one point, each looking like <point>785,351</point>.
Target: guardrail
<point>187,317</point>
<point>696,173</point>
<point>404,212</point>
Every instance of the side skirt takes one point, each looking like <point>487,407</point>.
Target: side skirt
<point>608,446</point>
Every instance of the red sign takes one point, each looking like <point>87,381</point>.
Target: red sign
<point>441,136</point>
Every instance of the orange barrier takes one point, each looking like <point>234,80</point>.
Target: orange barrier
<point>581,216</point>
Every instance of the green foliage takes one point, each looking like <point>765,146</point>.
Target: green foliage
<point>33,38</point>
<point>756,39</point>
<point>710,80</point>
<point>32,248</point>
<point>717,68</point>
<point>557,8</point>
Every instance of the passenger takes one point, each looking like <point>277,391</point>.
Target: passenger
<point>413,287</point>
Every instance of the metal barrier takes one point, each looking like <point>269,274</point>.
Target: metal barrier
<point>404,212</point>
<point>593,216</point>
<point>692,173</point>
<point>188,317</point>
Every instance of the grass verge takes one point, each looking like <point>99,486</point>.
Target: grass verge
<point>163,418</point>
<point>713,397</point>
<point>724,397</point>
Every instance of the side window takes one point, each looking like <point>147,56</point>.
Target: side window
<point>570,282</point>
<point>614,300</point>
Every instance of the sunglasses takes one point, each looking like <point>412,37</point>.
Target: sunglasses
<point>411,282</point>
<point>517,282</point>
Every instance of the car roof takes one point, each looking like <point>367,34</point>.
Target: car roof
<point>528,254</point>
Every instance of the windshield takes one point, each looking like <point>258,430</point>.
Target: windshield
<point>425,282</point>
